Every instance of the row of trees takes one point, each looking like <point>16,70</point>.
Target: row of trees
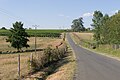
<point>106,28</point>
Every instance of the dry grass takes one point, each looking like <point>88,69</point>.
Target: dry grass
<point>75,39</point>
<point>105,49</point>
<point>8,62</point>
<point>66,70</point>
<point>85,36</point>
<point>8,65</point>
<point>41,43</point>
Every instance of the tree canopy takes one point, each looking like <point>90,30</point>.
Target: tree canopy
<point>114,29</point>
<point>97,18</point>
<point>18,37</point>
<point>3,28</point>
<point>106,29</point>
<point>77,25</point>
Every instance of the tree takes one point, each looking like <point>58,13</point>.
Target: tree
<point>78,25</point>
<point>114,29</point>
<point>105,29</point>
<point>88,29</point>
<point>97,18</point>
<point>18,36</point>
<point>3,28</point>
<point>118,11</point>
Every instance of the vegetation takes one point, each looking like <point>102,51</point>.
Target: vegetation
<point>49,56</point>
<point>9,62</point>
<point>3,28</point>
<point>45,33</point>
<point>97,17</point>
<point>4,32</point>
<point>78,25</point>
<point>86,38</point>
<point>38,33</point>
<point>18,36</point>
<point>106,29</point>
<point>66,68</point>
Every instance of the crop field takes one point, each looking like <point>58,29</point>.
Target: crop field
<point>39,33</point>
<point>8,62</point>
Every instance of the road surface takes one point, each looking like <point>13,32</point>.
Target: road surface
<point>92,66</point>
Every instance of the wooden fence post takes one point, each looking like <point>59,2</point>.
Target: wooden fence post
<point>31,59</point>
<point>18,66</point>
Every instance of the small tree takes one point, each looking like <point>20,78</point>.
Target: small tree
<point>18,36</point>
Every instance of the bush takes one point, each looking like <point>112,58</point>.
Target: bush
<point>48,57</point>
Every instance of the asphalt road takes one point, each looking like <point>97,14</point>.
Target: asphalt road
<point>92,66</point>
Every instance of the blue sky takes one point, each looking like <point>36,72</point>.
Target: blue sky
<point>52,14</point>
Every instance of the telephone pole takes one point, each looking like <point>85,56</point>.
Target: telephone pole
<point>35,36</point>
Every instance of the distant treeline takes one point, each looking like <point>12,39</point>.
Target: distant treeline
<point>38,33</point>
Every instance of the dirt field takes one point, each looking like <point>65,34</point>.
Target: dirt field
<point>8,62</point>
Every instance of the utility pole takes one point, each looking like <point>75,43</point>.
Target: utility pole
<point>35,36</point>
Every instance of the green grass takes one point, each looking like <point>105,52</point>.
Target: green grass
<point>105,49</point>
<point>108,50</point>
<point>4,32</point>
<point>38,32</point>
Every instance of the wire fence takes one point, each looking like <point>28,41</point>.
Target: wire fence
<point>14,66</point>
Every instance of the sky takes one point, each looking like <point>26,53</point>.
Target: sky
<point>53,14</point>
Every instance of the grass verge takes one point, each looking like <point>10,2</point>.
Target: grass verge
<point>106,50</point>
<point>66,68</point>
<point>62,69</point>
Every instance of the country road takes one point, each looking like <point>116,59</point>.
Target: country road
<point>92,66</point>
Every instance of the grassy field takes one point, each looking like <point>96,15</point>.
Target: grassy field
<point>8,66</point>
<point>8,62</point>
<point>39,33</point>
<point>41,43</point>
<point>102,49</point>
<point>85,36</point>
<point>83,39</point>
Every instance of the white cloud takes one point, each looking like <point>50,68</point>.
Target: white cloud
<point>87,14</point>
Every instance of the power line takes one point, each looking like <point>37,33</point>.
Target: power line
<point>7,13</point>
